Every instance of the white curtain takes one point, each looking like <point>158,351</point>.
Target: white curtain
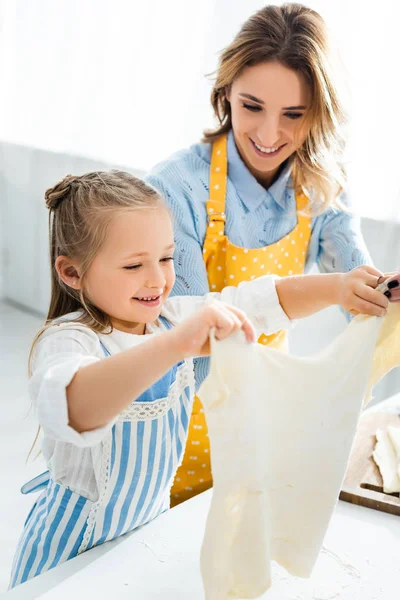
<point>124,81</point>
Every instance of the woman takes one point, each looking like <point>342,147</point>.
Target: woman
<point>264,192</point>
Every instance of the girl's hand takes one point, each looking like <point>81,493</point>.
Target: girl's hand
<point>357,293</point>
<point>191,337</point>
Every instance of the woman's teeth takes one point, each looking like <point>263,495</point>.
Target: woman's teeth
<point>266,150</point>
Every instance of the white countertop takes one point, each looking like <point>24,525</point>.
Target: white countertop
<point>360,560</point>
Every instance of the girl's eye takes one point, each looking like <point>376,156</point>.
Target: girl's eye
<point>292,115</point>
<point>252,107</point>
<point>135,267</point>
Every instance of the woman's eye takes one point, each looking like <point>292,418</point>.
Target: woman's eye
<point>132,267</point>
<point>252,107</point>
<point>293,115</point>
<point>167,259</point>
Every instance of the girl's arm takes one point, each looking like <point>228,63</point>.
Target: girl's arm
<point>271,302</point>
<point>303,295</point>
<point>100,391</point>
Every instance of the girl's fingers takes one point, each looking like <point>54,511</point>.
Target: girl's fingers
<point>372,271</point>
<point>249,330</point>
<point>232,319</point>
<point>368,308</point>
<point>223,328</point>
<point>373,280</point>
<point>245,323</point>
<point>371,295</point>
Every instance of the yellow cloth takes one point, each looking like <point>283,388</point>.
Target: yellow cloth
<point>228,264</point>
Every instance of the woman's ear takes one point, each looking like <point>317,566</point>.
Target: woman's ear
<point>227,92</point>
<point>68,271</point>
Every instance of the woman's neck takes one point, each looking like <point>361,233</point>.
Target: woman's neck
<point>266,179</point>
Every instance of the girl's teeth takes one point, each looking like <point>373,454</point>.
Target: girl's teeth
<point>266,150</point>
<point>154,298</point>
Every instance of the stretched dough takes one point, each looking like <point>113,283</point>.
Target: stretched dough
<point>394,434</point>
<point>385,457</point>
<point>281,430</point>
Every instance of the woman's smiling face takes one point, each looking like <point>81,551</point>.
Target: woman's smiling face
<point>268,106</point>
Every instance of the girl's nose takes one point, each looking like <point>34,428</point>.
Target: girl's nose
<point>156,278</point>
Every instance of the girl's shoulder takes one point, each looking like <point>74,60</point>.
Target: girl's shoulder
<point>66,332</point>
<point>68,322</point>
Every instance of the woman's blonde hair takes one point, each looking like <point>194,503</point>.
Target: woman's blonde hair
<point>80,210</point>
<point>296,37</point>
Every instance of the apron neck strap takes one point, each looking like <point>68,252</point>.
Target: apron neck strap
<point>218,179</point>
<point>218,182</point>
<point>302,203</point>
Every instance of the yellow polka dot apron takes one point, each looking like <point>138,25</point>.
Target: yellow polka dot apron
<point>229,265</point>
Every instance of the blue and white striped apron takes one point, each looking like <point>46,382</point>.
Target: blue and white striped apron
<point>140,457</point>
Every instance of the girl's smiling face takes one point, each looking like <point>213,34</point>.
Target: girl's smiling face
<point>133,273</point>
<point>268,106</point>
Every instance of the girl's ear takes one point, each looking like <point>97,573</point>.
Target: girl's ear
<point>68,271</point>
<point>227,91</point>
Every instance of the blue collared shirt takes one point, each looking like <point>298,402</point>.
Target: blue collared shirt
<point>256,217</point>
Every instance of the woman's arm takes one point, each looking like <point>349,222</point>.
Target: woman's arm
<point>341,245</point>
<point>189,231</point>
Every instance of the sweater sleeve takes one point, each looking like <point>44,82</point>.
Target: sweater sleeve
<point>191,274</point>
<point>341,244</point>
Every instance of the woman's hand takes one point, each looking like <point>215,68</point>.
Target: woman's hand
<point>357,293</point>
<point>393,283</point>
<point>191,337</point>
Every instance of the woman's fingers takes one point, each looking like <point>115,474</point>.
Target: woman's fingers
<point>393,284</point>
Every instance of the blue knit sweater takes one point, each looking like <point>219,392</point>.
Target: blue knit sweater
<point>256,217</point>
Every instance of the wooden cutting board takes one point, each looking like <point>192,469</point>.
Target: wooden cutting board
<point>363,482</point>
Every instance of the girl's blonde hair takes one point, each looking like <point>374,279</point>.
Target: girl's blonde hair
<point>81,208</point>
<point>295,36</point>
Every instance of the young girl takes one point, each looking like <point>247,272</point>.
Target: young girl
<point>112,376</point>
